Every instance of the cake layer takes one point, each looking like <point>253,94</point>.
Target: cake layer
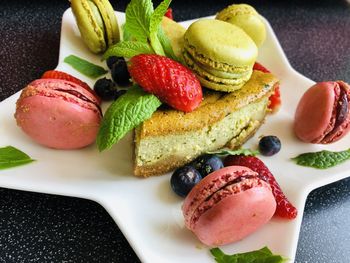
<point>170,138</point>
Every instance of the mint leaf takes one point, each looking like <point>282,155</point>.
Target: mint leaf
<point>85,67</point>
<point>12,157</point>
<point>126,35</point>
<point>165,42</point>
<point>124,114</point>
<point>128,49</point>
<point>137,19</point>
<point>263,255</point>
<point>322,159</point>
<point>156,19</point>
<point>241,151</point>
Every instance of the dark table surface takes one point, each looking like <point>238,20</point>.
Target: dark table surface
<point>315,36</point>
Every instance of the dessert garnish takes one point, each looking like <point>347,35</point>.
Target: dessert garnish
<point>262,255</point>
<point>85,67</point>
<point>143,31</point>
<point>207,163</point>
<point>12,157</point>
<point>119,71</point>
<point>184,179</point>
<point>124,114</point>
<point>284,208</point>
<point>105,89</point>
<point>322,159</point>
<point>170,81</point>
<point>269,145</point>
<point>275,98</point>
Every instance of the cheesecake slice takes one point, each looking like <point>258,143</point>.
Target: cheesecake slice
<point>171,138</point>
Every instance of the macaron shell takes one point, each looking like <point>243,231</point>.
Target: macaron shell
<point>57,123</point>
<point>90,24</point>
<point>314,112</point>
<point>209,185</point>
<point>252,25</point>
<point>110,21</point>
<point>63,86</point>
<point>235,10</point>
<point>220,42</point>
<point>247,18</point>
<point>236,216</point>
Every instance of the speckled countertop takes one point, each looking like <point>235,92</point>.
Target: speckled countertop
<point>315,36</point>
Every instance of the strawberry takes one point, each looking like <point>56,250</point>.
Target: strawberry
<point>169,13</point>
<point>167,79</point>
<point>55,74</point>
<point>284,208</point>
<point>275,98</point>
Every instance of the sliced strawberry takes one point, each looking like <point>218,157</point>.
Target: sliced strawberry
<point>258,66</point>
<point>284,208</point>
<point>275,98</point>
<point>170,81</point>
<point>169,13</point>
<point>56,74</point>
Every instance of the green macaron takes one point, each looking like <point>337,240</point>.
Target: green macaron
<point>247,18</point>
<point>97,23</point>
<point>220,54</point>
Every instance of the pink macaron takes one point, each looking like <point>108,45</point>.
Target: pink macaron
<point>58,114</point>
<point>228,205</point>
<point>323,113</point>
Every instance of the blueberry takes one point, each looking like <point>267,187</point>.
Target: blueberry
<point>119,93</point>
<point>105,89</point>
<point>207,164</point>
<point>120,73</point>
<point>111,61</point>
<point>269,145</point>
<point>184,179</point>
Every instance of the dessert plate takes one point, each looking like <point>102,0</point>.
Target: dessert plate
<point>146,210</point>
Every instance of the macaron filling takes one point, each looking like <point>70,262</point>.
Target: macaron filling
<point>240,184</point>
<point>340,122</point>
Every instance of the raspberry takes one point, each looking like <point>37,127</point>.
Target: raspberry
<point>169,13</point>
<point>284,208</point>
<point>167,79</point>
<point>275,98</point>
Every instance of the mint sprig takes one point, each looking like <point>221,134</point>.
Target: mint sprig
<point>85,67</point>
<point>242,151</point>
<point>124,114</point>
<point>128,49</point>
<point>322,159</point>
<point>143,26</point>
<point>12,157</point>
<point>263,255</point>
<point>137,16</point>
<point>155,21</point>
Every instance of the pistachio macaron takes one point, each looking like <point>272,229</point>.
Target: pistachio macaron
<point>247,18</point>
<point>221,54</point>
<point>97,23</point>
